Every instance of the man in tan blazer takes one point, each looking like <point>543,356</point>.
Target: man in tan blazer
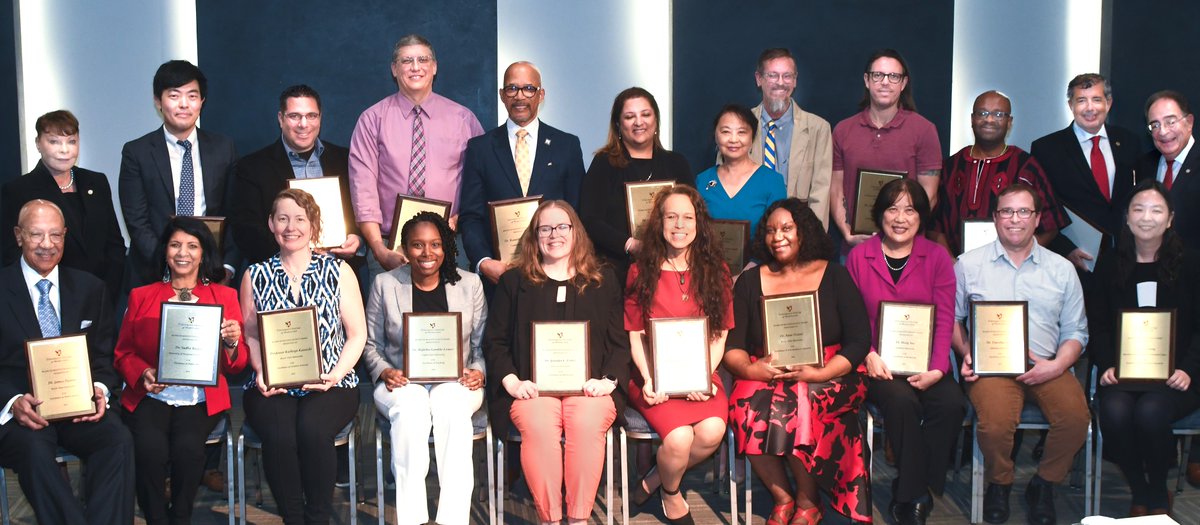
<point>802,147</point>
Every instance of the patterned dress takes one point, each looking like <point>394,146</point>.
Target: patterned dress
<point>318,287</point>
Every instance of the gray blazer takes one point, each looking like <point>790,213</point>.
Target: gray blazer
<point>391,296</point>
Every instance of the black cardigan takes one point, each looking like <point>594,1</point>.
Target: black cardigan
<point>518,302</point>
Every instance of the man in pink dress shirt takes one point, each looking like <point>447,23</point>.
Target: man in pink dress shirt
<point>410,143</point>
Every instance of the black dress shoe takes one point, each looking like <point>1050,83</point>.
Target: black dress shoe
<point>914,512</point>
<point>995,503</point>
<point>1040,497</point>
<point>897,509</point>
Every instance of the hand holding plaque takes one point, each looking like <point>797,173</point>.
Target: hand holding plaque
<point>432,347</point>
<point>1146,344</point>
<point>189,344</point>
<point>999,337</point>
<point>291,351</point>
<point>60,376</point>
<point>680,360</point>
<point>905,336</point>
<point>561,357</point>
<point>792,329</point>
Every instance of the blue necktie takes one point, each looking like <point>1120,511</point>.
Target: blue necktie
<point>47,319</point>
<point>185,203</point>
<point>769,149</point>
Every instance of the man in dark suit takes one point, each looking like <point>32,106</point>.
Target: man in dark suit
<point>1089,165</point>
<point>1169,120</point>
<point>523,157</point>
<point>42,299</point>
<point>298,154</point>
<point>177,169</point>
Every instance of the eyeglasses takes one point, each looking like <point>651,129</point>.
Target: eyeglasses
<point>529,90</point>
<point>1170,123</point>
<point>1007,213</point>
<point>776,77</point>
<point>878,76</point>
<point>408,61</point>
<point>546,231</point>
<point>295,118</point>
<point>983,114</point>
<point>56,237</point>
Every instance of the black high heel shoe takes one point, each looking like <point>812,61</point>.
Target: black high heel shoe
<point>637,493</point>
<point>685,519</point>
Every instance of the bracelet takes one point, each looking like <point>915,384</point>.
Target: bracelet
<point>229,345</point>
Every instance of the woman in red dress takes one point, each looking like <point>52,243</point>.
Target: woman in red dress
<point>802,419</point>
<point>679,272</point>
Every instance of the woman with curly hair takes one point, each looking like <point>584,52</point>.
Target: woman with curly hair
<point>557,277</point>
<point>1149,269</point>
<point>679,272</point>
<point>429,283</point>
<point>801,418</point>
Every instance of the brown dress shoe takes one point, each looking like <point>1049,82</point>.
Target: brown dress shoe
<point>1193,474</point>
<point>1170,505</point>
<point>214,480</point>
<point>1136,510</point>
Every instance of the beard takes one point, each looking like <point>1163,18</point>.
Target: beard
<point>776,107</point>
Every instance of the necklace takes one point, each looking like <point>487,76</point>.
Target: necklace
<point>185,294</point>
<point>69,184</point>
<point>682,288</point>
<point>1001,154</point>
<point>889,264</point>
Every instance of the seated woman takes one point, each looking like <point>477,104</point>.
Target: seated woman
<point>297,426</point>
<point>429,283</point>
<point>679,273</point>
<point>1149,269</point>
<point>738,188</point>
<point>171,423</point>
<point>803,419</point>
<point>557,277</point>
<point>923,410</point>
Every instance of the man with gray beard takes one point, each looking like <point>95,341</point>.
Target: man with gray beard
<point>792,141</point>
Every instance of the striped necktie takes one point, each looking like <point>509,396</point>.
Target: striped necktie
<point>769,146</point>
<point>47,319</point>
<point>416,162</point>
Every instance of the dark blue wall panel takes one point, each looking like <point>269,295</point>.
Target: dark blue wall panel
<point>10,121</point>
<point>717,43</point>
<point>250,51</point>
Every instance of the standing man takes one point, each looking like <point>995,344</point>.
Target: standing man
<point>974,177</point>
<point>521,158</point>
<point>298,154</point>
<point>795,143</point>
<point>177,169</point>
<point>1015,268</point>
<point>43,299</point>
<point>1169,120</point>
<point>1090,165</point>
<point>410,143</point>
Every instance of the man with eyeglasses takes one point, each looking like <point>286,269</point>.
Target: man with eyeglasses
<point>1015,268</point>
<point>410,143</point>
<point>521,158</point>
<point>298,154</point>
<point>1090,165</point>
<point>793,142</point>
<point>1169,120</point>
<point>973,178</point>
<point>43,299</point>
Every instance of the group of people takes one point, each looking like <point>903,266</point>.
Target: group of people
<point>786,172</point>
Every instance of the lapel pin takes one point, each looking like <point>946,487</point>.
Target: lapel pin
<point>549,163</point>
<point>1118,143</point>
<point>89,192</point>
<point>547,142</point>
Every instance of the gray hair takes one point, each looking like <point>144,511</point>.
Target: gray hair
<point>412,39</point>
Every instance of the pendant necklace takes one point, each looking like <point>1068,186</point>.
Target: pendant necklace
<point>185,294</point>
<point>682,288</point>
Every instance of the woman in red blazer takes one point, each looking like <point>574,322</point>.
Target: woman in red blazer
<point>170,423</point>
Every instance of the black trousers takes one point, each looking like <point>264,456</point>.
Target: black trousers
<point>921,426</point>
<point>106,448</point>
<point>1137,434</point>
<point>298,452</point>
<point>168,442</point>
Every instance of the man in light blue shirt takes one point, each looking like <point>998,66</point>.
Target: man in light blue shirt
<point>1016,268</point>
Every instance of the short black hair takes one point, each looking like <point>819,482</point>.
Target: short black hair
<point>210,261</point>
<point>742,113</point>
<point>1018,187</point>
<point>298,91</point>
<point>448,273</point>
<point>892,191</point>
<point>815,244</point>
<point>176,73</point>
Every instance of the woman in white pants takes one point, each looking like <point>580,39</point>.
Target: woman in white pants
<point>427,286</point>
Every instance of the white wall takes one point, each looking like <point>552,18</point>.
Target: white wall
<point>97,59</point>
<point>1028,49</point>
<point>587,53</point>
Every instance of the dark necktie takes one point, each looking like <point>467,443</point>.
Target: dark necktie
<point>1169,176</point>
<point>185,203</point>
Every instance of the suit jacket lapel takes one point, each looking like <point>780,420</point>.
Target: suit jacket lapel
<point>541,159</point>
<point>20,303</point>
<point>212,182</point>
<point>504,157</point>
<point>162,161</point>
<point>70,310</point>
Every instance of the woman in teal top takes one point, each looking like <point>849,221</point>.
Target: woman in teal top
<point>738,188</point>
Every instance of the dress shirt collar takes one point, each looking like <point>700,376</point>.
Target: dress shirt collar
<point>172,140</point>
<point>429,106</point>
<point>1180,158</point>
<point>784,119</point>
<point>318,149</point>
<point>32,278</point>
<point>998,252</point>
<point>1083,136</point>
<point>532,128</point>
<point>865,119</point>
